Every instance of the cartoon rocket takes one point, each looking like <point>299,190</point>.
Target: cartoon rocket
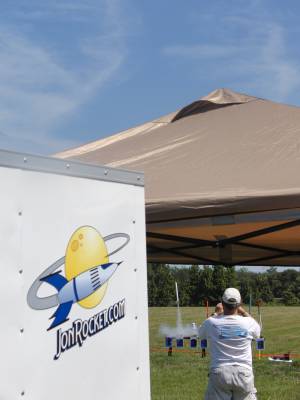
<point>78,288</point>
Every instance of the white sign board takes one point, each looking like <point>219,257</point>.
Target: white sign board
<point>73,292</point>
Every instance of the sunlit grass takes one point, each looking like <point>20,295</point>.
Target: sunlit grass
<point>184,375</point>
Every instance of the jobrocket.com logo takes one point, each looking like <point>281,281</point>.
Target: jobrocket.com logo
<point>87,270</point>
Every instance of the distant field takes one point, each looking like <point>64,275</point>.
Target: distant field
<point>184,375</point>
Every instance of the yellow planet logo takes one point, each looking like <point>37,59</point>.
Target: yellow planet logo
<point>86,249</point>
<point>87,271</point>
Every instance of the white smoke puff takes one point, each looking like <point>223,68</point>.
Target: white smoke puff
<point>178,331</point>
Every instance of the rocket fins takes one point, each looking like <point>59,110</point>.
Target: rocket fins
<point>61,314</point>
<point>56,280</point>
<point>105,266</point>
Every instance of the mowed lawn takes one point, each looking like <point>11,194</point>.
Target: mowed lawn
<point>184,375</point>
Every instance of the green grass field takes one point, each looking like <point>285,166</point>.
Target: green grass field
<point>184,375</point>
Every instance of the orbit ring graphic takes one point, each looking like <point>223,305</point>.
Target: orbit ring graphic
<point>43,303</point>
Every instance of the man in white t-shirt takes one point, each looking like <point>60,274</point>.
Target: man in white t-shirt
<point>230,336</point>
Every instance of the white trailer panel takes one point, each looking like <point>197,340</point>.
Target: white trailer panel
<point>55,228</point>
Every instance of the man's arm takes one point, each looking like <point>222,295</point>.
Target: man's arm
<point>202,330</point>
<point>255,328</point>
<point>241,311</point>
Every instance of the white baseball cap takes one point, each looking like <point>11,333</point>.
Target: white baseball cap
<point>231,296</point>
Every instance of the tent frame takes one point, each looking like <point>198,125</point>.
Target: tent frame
<point>192,243</point>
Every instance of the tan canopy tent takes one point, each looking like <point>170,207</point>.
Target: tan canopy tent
<point>221,178</point>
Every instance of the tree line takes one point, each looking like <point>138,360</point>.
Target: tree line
<point>197,284</point>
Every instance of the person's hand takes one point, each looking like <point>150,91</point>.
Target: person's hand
<point>219,309</point>
<point>242,312</point>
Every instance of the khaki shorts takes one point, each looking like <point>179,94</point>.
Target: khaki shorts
<point>230,382</point>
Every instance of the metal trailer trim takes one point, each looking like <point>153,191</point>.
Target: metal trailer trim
<point>30,162</point>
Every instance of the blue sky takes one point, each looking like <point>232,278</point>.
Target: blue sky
<point>73,71</point>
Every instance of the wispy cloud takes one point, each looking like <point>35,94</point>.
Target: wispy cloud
<point>247,49</point>
<point>279,70</point>
<point>40,86</point>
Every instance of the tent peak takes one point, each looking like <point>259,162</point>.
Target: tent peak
<point>227,96</point>
<point>217,99</point>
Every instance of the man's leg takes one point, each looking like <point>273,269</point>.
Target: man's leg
<point>219,387</point>
<point>243,384</point>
